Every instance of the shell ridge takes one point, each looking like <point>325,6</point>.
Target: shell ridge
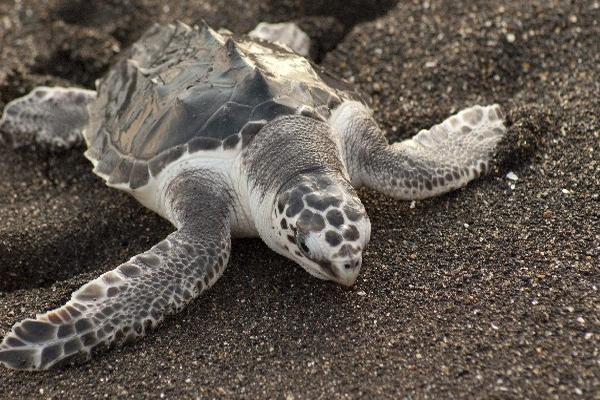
<point>184,89</point>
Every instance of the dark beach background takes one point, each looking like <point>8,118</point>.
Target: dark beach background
<point>488,292</point>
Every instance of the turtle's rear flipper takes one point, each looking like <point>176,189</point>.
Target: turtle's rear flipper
<point>48,117</point>
<point>285,33</point>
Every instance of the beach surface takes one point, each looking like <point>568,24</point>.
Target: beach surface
<point>491,291</point>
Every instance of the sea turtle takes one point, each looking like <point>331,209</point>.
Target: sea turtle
<point>227,137</point>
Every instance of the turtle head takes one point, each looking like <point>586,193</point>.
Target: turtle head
<point>322,225</point>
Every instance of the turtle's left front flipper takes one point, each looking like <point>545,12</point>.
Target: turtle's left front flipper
<point>434,161</point>
<point>48,116</point>
<point>122,303</point>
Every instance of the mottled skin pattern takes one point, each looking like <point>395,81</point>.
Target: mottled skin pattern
<point>435,161</point>
<point>302,191</point>
<point>320,207</point>
<point>121,304</point>
<point>291,180</point>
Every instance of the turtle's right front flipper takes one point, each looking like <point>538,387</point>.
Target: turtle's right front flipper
<point>122,303</point>
<point>50,117</point>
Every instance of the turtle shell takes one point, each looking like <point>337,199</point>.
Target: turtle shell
<point>181,90</point>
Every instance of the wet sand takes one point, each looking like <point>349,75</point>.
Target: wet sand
<point>487,292</point>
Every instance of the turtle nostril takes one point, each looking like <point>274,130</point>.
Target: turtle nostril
<point>352,264</point>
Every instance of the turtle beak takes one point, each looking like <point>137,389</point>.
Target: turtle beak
<point>344,272</point>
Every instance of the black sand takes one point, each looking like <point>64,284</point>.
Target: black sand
<point>488,292</point>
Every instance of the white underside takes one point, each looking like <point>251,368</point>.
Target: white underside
<point>223,162</point>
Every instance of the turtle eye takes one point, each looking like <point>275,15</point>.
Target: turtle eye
<point>303,246</point>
